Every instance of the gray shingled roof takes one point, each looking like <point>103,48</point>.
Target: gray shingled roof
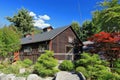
<point>45,36</point>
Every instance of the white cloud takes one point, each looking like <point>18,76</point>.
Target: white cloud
<point>44,17</point>
<point>41,23</point>
<point>40,20</point>
<point>32,14</point>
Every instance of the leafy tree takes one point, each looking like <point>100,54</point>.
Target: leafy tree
<point>45,65</point>
<point>109,3</point>
<point>76,27</point>
<point>1,43</point>
<point>107,45</point>
<point>87,30</point>
<point>10,41</point>
<point>23,21</point>
<point>108,18</point>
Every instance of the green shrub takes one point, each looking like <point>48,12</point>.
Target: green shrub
<point>11,69</point>
<point>23,74</point>
<point>92,67</point>
<point>1,66</point>
<point>116,67</point>
<point>82,70</point>
<point>66,65</point>
<point>19,63</point>
<point>107,75</point>
<point>45,65</point>
<point>8,68</point>
<point>27,62</point>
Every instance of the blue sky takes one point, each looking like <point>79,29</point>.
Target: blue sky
<point>58,12</point>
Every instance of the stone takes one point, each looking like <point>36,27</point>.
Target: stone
<point>22,70</point>
<point>20,78</point>
<point>33,77</point>
<point>10,77</point>
<point>47,78</point>
<point>81,76</point>
<point>63,75</point>
<point>2,76</point>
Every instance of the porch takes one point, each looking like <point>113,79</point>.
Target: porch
<point>59,56</point>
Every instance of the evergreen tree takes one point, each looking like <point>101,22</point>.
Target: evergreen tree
<point>23,21</point>
<point>45,65</point>
<point>94,68</point>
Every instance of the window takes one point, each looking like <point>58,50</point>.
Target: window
<point>27,49</point>
<point>70,39</point>
<point>69,49</point>
<point>42,47</point>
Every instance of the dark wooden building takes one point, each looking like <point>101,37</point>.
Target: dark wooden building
<point>63,41</point>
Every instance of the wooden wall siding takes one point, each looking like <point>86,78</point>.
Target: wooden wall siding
<point>54,45</point>
<point>31,55</point>
<point>60,57</point>
<point>60,41</point>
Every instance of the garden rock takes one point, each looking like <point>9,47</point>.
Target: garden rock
<point>81,76</point>
<point>47,78</point>
<point>10,77</point>
<point>63,75</point>
<point>22,70</point>
<point>33,77</point>
<point>2,76</point>
<point>20,78</point>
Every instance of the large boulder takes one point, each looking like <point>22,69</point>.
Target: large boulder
<point>2,76</point>
<point>33,77</point>
<point>10,77</point>
<point>81,76</point>
<point>47,78</point>
<point>20,78</point>
<point>63,75</point>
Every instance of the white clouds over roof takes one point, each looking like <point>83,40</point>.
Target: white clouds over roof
<point>39,21</point>
<point>44,17</point>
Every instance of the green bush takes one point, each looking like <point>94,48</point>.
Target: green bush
<point>27,62</point>
<point>11,69</point>
<point>116,67</point>
<point>82,70</point>
<point>92,67</point>
<point>66,65</point>
<point>1,66</point>
<point>45,65</point>
<point>8,68</point>
<point>19,63</point>
<point>107,75</point>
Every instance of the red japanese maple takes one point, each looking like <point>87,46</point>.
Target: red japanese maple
<point>109,43</point>
<point>106,37</point>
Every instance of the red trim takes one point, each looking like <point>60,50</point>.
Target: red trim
<point>16,56</point>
